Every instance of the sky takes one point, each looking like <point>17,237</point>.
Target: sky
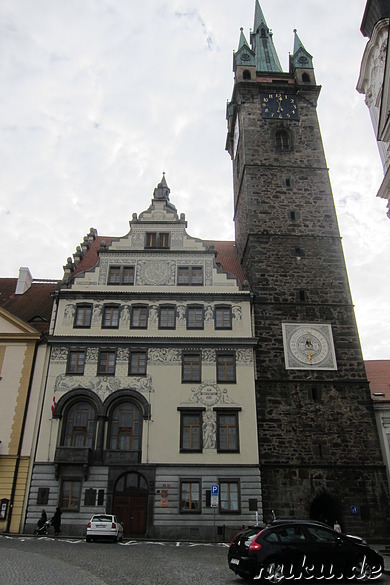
<point>100,97</point>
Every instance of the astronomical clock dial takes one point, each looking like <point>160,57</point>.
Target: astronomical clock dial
<point>308,347</point>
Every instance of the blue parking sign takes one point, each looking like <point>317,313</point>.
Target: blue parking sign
<point>215,490</point>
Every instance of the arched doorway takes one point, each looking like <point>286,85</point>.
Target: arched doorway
<point>326,508</point>
<point>131,503</point>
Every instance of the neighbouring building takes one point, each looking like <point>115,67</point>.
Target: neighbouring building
<point>374,81</point>
<point>319,448</point>
<point>25,312</point>
<point>378,374</point>
<point>151,378</point>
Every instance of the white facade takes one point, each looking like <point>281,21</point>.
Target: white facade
<point>374,82</point>
<point>155,343</point>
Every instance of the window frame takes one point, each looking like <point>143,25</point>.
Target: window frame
<point>157,241</point>
<point>142,308</point>
<point>105,372</point>
<point>75,371</point>
<point>190,482</point>
<point>122,270</point>
<point>190,272</point>
<point>160,313</point>
<point>195,309</point>
<point>86,320</point>
<point>226,379</point>
<point>114,312</point>
<point>62,498</point>
<point>193,377</point>
<point>229,482</point>
<point>139,371</point>
<point>220,412</point>
<point>220,309</point>
<point>191,412</point>
<point>73,430</point>
<point>117,432</point>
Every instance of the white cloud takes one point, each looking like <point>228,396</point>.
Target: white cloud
<point>98,98</point>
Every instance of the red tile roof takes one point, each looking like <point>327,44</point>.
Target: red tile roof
<point>34,306</point>
<point>378,374</point>
<point>227,258</point>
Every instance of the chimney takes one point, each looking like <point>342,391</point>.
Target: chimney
<point>24,281</point>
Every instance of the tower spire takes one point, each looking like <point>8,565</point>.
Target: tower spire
<point>262,44</point>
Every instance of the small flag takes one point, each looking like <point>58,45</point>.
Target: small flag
<point>53,405</point>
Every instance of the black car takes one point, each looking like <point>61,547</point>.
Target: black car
<point>298,550</point>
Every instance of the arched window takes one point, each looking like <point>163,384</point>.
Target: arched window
<point>305,77</point>
<point>282,139</point>
<point>126,428</point>
<point>80,424</point>
<point>246,74</point>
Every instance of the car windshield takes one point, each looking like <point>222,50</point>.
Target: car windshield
<point>102,518</point>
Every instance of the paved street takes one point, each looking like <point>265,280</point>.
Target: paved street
<point>62,561</point>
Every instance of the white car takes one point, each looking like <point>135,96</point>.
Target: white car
<point>104,526</point>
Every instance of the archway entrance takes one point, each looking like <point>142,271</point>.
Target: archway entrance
<point>131,503</point>
<point>326,508</point>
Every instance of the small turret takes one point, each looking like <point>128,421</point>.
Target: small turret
<point>301,63</point>
<point>244,62</point>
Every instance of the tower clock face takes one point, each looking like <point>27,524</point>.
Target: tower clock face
<point>280,106</point>
<point>308,346</point>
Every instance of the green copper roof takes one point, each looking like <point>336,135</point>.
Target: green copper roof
<point>262,44</point>
<point>244,55</point>
<point>300,57</point>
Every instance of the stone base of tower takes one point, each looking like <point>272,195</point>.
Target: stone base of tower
<point>356,497</point>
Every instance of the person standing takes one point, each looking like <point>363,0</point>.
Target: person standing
<point>56,521</point>
<point>337,526</point>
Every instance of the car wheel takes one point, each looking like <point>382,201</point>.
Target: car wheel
<point>363,570</point>
<point>273,572</point>
<point>88,539</point>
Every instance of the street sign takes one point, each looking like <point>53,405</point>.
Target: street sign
<point>214,496</point>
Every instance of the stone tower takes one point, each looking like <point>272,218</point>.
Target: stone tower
<point>318,444</point>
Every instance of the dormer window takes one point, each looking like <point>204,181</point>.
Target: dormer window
<point>157,240</point>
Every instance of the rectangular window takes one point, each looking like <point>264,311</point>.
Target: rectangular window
<point>191,367</point>
<point>229,499</point>
<point>190,275</point>
<point>157,240</point>
<point>167,318</point>
<point>106,364</point>
<point>76,362</point>
<point>223,317</point>
<point>191,431</point>
<point>137,363</point>
<point>121,275</point>
<point>43,496</point>
<point>226,367</point>
<point>195,318</point>
<point>83,316</point>
<point>227,431</point>
<point>70,495</point>
<point>139,317</point>
<point>110,317</point>
<point>190,496</point>
<point>90,497</point>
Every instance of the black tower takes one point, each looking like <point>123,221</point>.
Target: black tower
<point>319,449</point>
